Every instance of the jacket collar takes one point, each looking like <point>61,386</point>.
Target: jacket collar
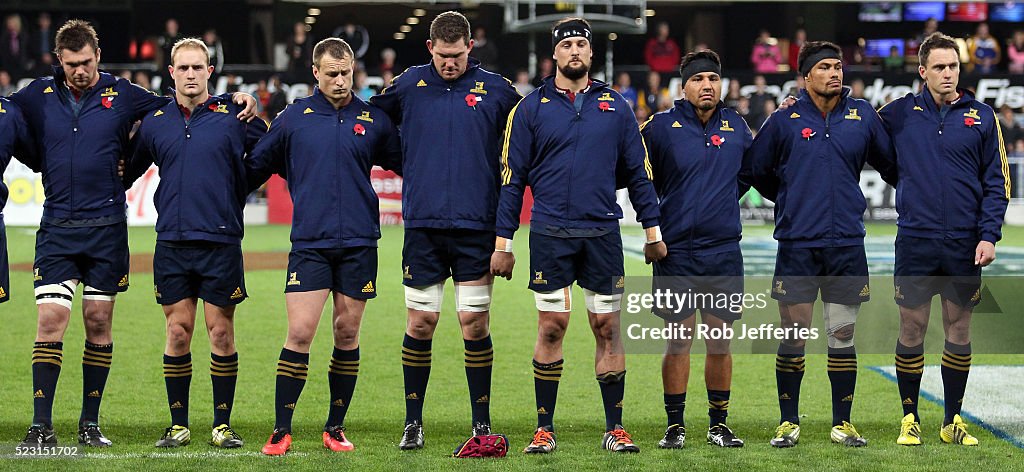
<point>106,80</point>
<point>804,101</point>
<point>549,84</point>
<point>689,112</point>
<point>925,98</point>
<point>320,104</point>
<point>474,64</point>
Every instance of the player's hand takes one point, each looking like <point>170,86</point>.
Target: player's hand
<point>655,252</point>
<point>120,168</point>
<point>502,264</point>
<point>249,101</point>
<point>788,102</point>
<point>984,254</point>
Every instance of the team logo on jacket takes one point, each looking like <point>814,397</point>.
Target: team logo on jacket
<point>725,126</point>
<point>606,97</point>
<point>365,116</point>
<point>971,118</point>
<point>158,113</point>
<point>479,89</point>
<point>109,92</point>
<point>218,107</point>
<point>2,108</point>
<point>853,115</point>
<point>107,102</point>
<point>48,89</point>
<point>794,115</point>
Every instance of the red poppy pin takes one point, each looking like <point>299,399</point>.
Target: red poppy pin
<point>807,133</point>
<point>107,102</point>
<point>213,107</point>
<point>472,100</point>
<point>605,106</point>
<point>717,140</point>
<point>969,121</point>
<point>359,129</point>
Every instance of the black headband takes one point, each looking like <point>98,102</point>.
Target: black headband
<point>699,65</point>
<point>570,29</point>
<point>809,62</point>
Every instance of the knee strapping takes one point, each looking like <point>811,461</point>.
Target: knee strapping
<point>89,293</point>
<point>426,298</point>
<point>59,294</point>
<point>473,298</point>
<point>839,324</point>
<point>599,303</point>
<point>556,300</point>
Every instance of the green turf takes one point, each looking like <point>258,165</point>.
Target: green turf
<point>134,410</point>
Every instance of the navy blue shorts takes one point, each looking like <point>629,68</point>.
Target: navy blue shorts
<point>430,256</point>
<point>926,267</point>
<point>350,271</point>
<point>841,273</point>
<point>5,277</point>
<point>212,272</point>
<point>595,263</point>
<point>720,275</point>
<point>96,256</point>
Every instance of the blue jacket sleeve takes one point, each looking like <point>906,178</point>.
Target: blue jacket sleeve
<point>140,158</point>
<point>390,99</point>
<point>745,178</point>
<point>516,153</point>
<point>995,174</point>
<point>143,101</point>
<point>633,157</point>
<point>254,131</point>
<point>23,148</point>
<point>268,157</point>
<point>764,159</point>
<point>882,151</point>
<point>648,131</point>
<point>389,152</point>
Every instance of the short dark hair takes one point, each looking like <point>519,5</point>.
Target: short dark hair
<point>336,47</point>
<point>450,27</point>
<point>936,40</point>
<point>702,54</point>
<point>75,35</point>
<point>812,47</point>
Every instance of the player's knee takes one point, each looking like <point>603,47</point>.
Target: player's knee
<point>473,298</point>
<point>678,347</point>
<point>717,346</point>
<point>346,334</point>
<point>422,325</point>
<point>599,303</point>
<point>427,298</point>
<point>839,323</point>
<point>555,301</point>
<point>551,331</point>
<point>605,327</point>
<point>222,337</point>
<point>474,327</point>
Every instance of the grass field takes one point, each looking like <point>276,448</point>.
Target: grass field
<point>134,411</point>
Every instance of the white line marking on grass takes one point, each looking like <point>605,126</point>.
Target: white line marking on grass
<point>992,400</point>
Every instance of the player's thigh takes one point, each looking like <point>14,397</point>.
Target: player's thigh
<point>172,275</point>
<point>846,280</point>
<point>221,275</point>
<point>425,258</point>
<point>56,253</point>
<point>600,266</point>
<point>552,262</point>
<point>354,272</point>
<point>962,281</point>
<point>470,254</point>
<point>917,274</point>
<point>796,275</point>
<point>105,258</point>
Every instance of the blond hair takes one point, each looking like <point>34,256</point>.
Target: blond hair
<point>190,43</point>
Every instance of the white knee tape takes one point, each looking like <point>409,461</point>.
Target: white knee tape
<point>59,294</point>
<point>837,317</point>
<point>89,293</point>
<point>598,303</point>
<point>425,298</point>
<point>556,300</point>
<point>473,298</point>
